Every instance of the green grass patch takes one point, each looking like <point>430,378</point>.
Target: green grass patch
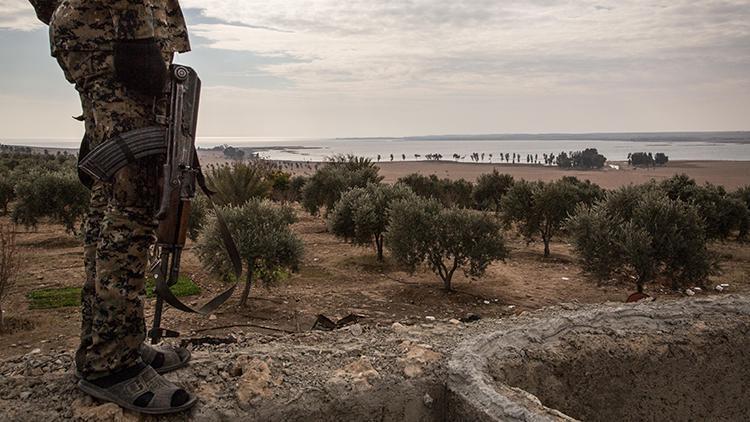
<point>55,298</point>
<point>183,287</point>
<point>71,296</point>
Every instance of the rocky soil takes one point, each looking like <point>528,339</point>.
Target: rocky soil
<point>379,372</point>
<point>352,371</point>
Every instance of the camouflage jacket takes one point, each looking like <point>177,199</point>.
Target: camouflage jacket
<point>94,25</point>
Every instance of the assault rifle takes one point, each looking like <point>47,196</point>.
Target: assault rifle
<point>181,174</point>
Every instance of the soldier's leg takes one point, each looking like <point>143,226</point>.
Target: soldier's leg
<point>116,328</point>
<point>110,363</point>
<point>92,228</point>
<point>92,222</point>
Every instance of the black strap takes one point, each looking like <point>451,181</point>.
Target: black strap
<point>126,151</point>
<point>163,290</point>
<point>162,284</point>
<point>226,236</point>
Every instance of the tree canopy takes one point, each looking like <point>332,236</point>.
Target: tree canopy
<point>446,239</point>
<point>362,214</point>
<point>263,235</point>
<point>339,174</point>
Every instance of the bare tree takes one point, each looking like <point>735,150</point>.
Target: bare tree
<point>8,265</point>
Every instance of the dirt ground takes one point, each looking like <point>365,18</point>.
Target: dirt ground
<point>336,279</point>
<point>730,174</point>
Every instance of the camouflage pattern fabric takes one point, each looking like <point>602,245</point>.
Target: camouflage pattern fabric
<point>94,25</point>
<point>45,8</point>
<point>120,224</point>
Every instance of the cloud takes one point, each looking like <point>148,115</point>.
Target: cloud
<point>374,67</point>
<point>18,15</point>
<point>473,47</point>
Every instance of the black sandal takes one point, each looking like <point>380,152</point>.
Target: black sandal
<point>164,359</point>
<point>146,392</point>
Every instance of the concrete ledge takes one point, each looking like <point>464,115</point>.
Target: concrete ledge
<point>671,361</point>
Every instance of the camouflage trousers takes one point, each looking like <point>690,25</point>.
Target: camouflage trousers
<point>120,225</point>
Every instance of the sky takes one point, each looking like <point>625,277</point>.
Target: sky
<point>358,68</point>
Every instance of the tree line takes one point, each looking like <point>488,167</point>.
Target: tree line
<point>589,158</point>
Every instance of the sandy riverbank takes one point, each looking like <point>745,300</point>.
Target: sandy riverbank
<point>730,174</point>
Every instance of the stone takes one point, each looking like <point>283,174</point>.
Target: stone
<point>24,395</point>
<point>358,375</point>
<point>399,328</point>
<point>454,321</point>
<point>412,370</point>
<point>689,292</point>
<point>213,317</point>
<point>256,382</point>
<point>356,330</point>
<point>430,318</point>
<point>428,400</point>
<point>417,358</point>
<point>108,412</point>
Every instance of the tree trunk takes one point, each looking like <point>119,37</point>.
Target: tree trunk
<point>447,283</point>
<point>449,276</point>
<point>249,283</point>
<point>2,320</point>
<point>379,245</point>
<point>546,247</point>
<point>639,283</point>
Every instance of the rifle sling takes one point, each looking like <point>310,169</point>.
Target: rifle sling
<point>164,292</point>
<point>162,284</point>
<point>226,236</point>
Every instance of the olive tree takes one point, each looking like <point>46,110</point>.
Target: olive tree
<point>743,194</point>
<point>661,236</point>
<point>238,182</point>
<point>9,263</point>
<point>490,189</point>
<point>296,184</point>
<point>446,239</point>
<point>264,238</point>
<point>448,192</point>
<point>58,196</point>
<point>723,213</point>
<point>339,174</point>
<point>540,208</point>
<point>7,194</point>
<point>198,216</point>
<point>362,214</point>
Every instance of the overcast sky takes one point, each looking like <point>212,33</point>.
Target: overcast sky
<point>336,68</point>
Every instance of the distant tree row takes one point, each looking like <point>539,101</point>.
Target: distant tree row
<point>586,159</point>
<point>647,159</point>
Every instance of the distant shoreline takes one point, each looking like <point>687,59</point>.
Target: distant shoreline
<point>729,173</point>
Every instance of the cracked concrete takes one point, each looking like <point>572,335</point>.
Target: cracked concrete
<point>677,360</point>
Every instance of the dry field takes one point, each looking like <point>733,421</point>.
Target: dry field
<point>336,279</point>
